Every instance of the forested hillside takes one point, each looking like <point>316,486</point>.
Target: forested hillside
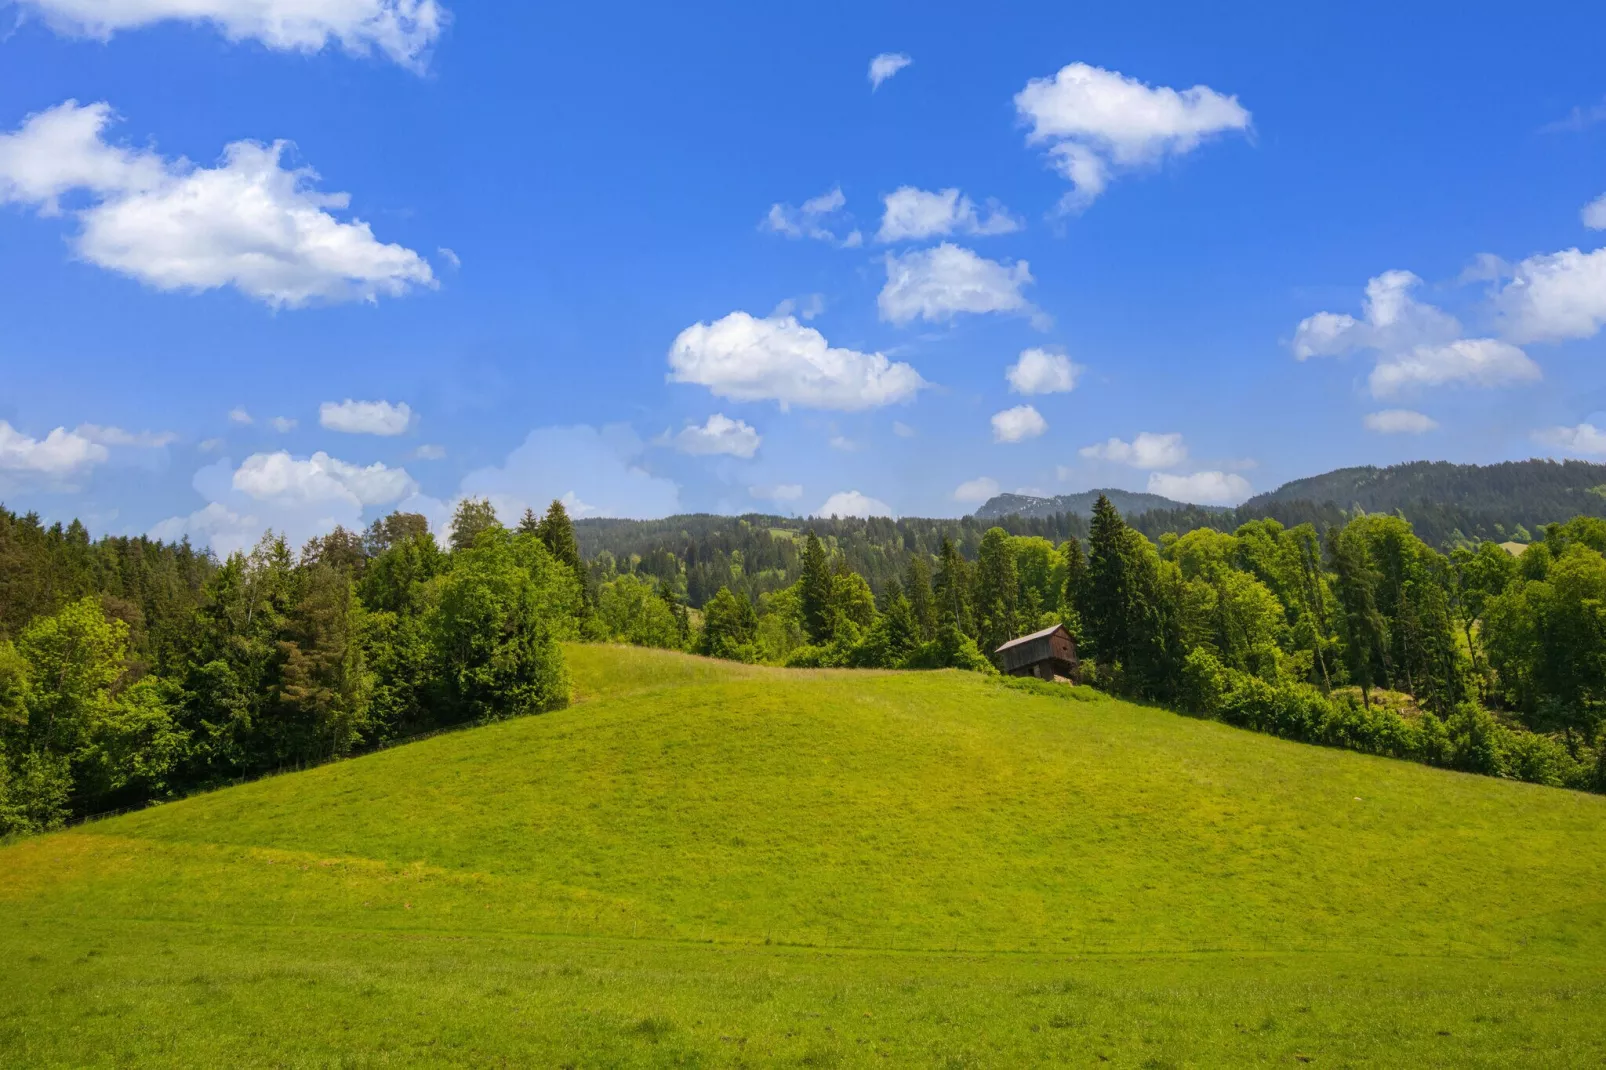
<point>132,670</point>
<point>1448,505</point>
<point>1128,502</point>
<point>1534,492</point>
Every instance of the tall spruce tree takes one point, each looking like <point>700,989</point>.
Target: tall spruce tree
<point>951,590</point>
<point>556,532</point>
<point>1365,631</point>
<point>1074,563</point>
<point>922,604</point>
<point>997,591</point>
<point>1107,595</point>
<point>815,590</point>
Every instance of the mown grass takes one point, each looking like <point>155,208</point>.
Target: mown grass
<point>709,864</point>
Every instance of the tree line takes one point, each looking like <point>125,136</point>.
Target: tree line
<point>133,670</point>
<point>1364,637</point>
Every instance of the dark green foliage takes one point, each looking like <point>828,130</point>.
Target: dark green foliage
<point>951,592</point>
<point>922,603</point>
<point>473,516</point>
<point>495,628</point>
<point>997,592</point>
<point>730,626</point>
<point>814,589</point>
<point>556,532</point>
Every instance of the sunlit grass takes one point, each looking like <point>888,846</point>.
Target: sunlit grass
<point>717,864</point>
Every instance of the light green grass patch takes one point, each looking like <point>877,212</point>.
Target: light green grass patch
<point>708,864</point>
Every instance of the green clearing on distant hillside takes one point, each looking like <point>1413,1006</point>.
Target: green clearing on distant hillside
<point>702,863</point>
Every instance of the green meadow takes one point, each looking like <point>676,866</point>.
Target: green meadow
<point>701,863</point>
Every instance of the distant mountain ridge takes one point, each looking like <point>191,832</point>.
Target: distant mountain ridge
<point>1506,494</point>
<point>1559,487</point>
<point>1030,507</point>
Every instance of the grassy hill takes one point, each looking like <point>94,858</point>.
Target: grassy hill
<point>702,863</point>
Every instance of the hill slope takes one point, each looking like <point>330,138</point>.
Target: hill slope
<point>704,862</point>
<point>1523,489</point>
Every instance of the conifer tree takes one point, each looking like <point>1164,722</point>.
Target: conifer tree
<point>815,591</point>
<point>997,591</point>
<point>951,590</point>
<point>922,605</point>
<point>1075,566</point>
<point>556,531</point>
<point>1365,631</point>
<point>1106,603</point>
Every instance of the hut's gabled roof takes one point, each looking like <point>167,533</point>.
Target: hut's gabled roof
<point>1029,638</point>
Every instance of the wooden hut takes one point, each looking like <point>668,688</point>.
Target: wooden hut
<point>1045,655</point>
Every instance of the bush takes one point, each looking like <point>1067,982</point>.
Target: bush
<point>1472,741</point>
<point>951,649</point>
<point>34,790</point>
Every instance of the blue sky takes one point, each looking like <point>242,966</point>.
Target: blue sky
<point>610,254</point>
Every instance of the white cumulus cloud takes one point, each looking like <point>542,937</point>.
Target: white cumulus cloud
<point>1148,450</point>
<point>60,454</point>
<point>299,497</point>
<point>599,470</point>
<point>1417,344</point>
<point>283,424</point>
<point>852,503</point>
<point>1585,439</point>
<point>282,479</point>
<point>116,436</point>
<point>719,434</point>
<point>1097,122</point>
<point>938,283</point>
<point>915,214</point>
<point>1018,424</point>
<point>746,358</point>
<point>778,492</point>
<point>976,491</point>
<point>1594,213</point>
<point>403,30</point>
<point>238,415</point>
<point>248,222</point>
<point>1554,297</point>
<point>885,65</point>
<point>1042,371</point>
<point>1400,422</point>
<point>365,417</point>
<point>820,218</point>
<point>1201,488</point>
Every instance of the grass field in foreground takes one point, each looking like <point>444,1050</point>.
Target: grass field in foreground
<point>709,864</point>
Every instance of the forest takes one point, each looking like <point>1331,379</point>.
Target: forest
<point>133,671</point>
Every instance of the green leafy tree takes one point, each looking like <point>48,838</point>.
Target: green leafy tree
<point>730,627</point>
<point>1547,643</point>
<point>501,612</point>
<point>635,612</point>
<point>324,681</point>
<point>472,516</point>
